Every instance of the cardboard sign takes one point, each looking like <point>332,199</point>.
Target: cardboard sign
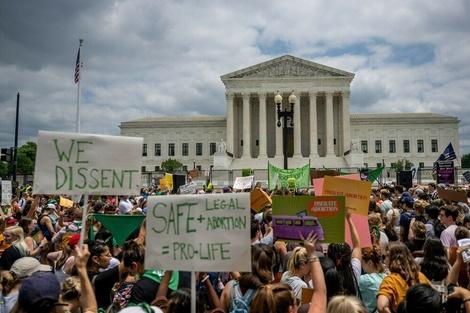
<point>318,182</point>
<point>324,215</point>
<point>72,163</point>
<point>66,203</point>
<point>452,195</point>
<point>6,192</point>
<point>357,193</point>
<point>194,173</point>
<point>188,189</point>
<point>259,199</point>
<point>208,232</point>
<point>242,183</point>
<point>162,183</point>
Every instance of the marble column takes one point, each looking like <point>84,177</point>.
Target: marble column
<point>230,124</point>
<point>346,123</point>
<point>262,126</point>
<point>329,147</point>
<point>246,126</point>
<point>313,124</point>
<point>297,125</point>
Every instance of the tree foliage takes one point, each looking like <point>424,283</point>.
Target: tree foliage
<point>26,157</point>
<point>171,165</point>
<point>398,165</point>
<point>466,160</point>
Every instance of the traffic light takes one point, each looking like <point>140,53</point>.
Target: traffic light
<point>6,154</point>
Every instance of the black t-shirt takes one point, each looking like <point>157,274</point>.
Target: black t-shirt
<point>103,284</point>
<point>9,256</point>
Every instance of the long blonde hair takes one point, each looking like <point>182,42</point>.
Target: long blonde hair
<point>346,304</point>
<point>19,242</point>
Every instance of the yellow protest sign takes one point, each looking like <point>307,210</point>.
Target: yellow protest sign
<point>259,199</point>
<point>64,202</point>
<point>169,180</point>
<point>162,183</point>
<point>356,192</point>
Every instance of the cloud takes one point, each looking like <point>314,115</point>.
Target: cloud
<point>163,58</point>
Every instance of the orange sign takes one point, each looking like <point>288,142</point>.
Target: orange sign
<point>259,199</point>
<point>356,192</point>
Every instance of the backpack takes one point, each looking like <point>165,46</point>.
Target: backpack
<point>240,303</point>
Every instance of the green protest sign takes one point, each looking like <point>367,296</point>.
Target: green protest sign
<point>208,232</point>
<point>72,163</point>
<point>299,177</point>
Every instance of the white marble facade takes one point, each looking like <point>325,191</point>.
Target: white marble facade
<point>323,126</point>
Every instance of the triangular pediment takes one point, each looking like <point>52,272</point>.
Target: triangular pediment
<point>287,66</point>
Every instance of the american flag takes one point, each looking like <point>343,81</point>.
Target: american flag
<point>77,67</point>
<point>448,154</point>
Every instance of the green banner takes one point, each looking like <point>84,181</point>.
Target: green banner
<point>298,178</point>
<point>120,226</point>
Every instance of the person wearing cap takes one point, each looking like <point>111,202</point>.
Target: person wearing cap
<point>40,292</point>
<point>14,236</point>
<point>448,216</point>
<point>46,224</point>
<point>12,279</point>
<point>406,203</point>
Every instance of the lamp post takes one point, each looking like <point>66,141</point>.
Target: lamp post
<point>285,115</point>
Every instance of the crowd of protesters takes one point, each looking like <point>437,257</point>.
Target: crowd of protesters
<point>414,265</point>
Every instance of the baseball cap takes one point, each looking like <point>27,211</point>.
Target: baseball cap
<point>407,200</point>
<point>466,219</point>
<point>25,266</point>
<point>50,206</point>
<point>40,288</point>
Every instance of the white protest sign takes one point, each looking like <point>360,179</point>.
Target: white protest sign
<point>208,232</point>
<point>243,182</point>
<point>6,192</point>
<point>188,188</point>
<point>73,163</point>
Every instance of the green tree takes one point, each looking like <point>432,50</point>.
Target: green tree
<point>4,170</point>
<point>466,160</point>
<point>171,165</point>
<point>398,165</point>
<point>27,158</point>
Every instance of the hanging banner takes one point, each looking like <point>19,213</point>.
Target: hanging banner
<point>209,232</point>
<point>73,163</point>
<point>280,177</point>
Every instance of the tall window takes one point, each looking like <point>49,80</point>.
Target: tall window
<point>185,149</point>
<point>213,148</point>
<point>434,147</point>
<point>144,150</point>
<point>199,148</point>
<point>406,146</point>
<point>378,146</point>
<point>392,146</point>
<point>420,146</point>
<point>171,149</point>
<point>364,146</point>
<point>158,149</point>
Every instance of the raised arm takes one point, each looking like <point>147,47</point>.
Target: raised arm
<point>318,303</point>
<point>356,242</point>
<point>87,299</point>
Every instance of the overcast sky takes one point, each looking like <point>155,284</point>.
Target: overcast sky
<point>165,58</point>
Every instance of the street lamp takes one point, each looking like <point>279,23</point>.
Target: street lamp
<point>285,115</point>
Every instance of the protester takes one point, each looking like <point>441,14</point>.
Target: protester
<point>14,236</point>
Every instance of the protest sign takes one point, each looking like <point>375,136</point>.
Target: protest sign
<point>357,192</point>
<point>169,181</point>
<point>452,195</point>
<point>323,215</point>
<point>6,192</point>
<point>318,182</point>
<point>64,202</point>
<point>73,163</point>
<point>208,232</point>
<point>278,176</point>
<point>259,200</point>
<point>194,173</point>
<point>445,172</point>
<point>242,183</point>
<point>188,189</point>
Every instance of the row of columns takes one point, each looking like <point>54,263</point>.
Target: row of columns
<point>329,145</point>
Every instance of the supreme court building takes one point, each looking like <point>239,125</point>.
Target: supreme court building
<point>324,132</point>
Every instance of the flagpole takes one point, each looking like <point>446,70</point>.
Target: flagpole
<point>78,67</point>
<point>79,89</point>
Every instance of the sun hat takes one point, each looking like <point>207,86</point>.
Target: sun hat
<point>25,266</point>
